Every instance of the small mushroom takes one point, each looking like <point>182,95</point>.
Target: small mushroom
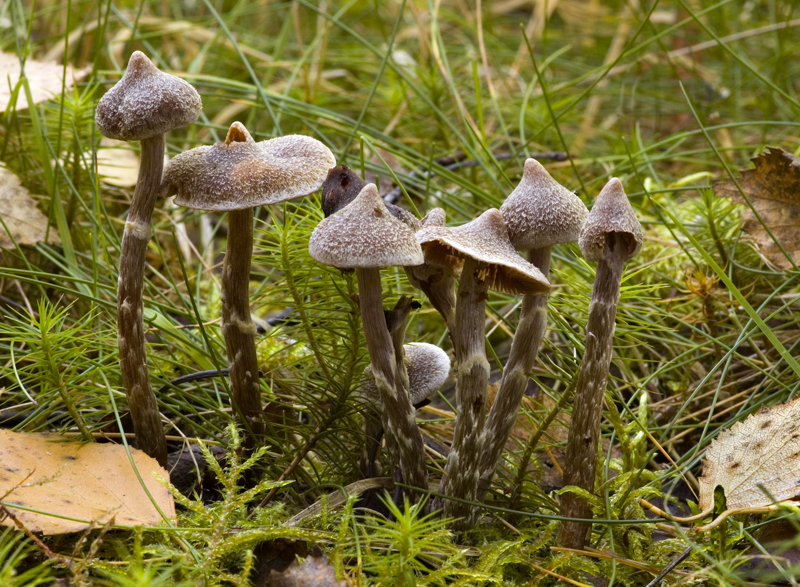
<point>612,235</point>
<point>365,236</point>
<point>490,262</point>
<point>143,106</point>
<point>428,367</point>
<point>539,214</point>
<point>438,281</point>
<point>234,177</point>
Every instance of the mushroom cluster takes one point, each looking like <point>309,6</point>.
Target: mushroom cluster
<point>455,267</point>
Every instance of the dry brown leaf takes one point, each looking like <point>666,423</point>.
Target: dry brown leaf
<point>117,164</point>
<point>756,458</point>
<point>773,189</point>
<point>21,214</point>
<point>89,482</point>
<point>44,80</point>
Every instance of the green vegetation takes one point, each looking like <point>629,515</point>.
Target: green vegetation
<point>669,96</point>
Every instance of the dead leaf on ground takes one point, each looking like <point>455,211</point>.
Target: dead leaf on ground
<point>117,164</point>
<point>90,482</point>
<point>756,459</point>
<point>44,80</point>
<point>315,571</point>
<point>21,214</point>
<point>773,189</point>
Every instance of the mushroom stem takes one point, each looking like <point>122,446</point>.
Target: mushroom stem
<point>403,439</point>
<point>440,290</point>
<point>237,326</point>
<point>584,431</point>
<point>130,328</point>
<point>524,348</point>
<point>460,477</point>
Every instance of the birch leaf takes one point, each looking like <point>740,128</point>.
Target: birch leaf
<point>86,481</point>
<point>44,80</point>
<point>21,214</point>
<point>755,459</point>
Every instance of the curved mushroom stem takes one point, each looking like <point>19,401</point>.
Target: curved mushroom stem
<point>524,348</point>
<point>460,478</point>
<point>440,289</point>
<point>237,326</point>
<point>584,431</point>
<point>130,328</point>
<point>403,439</point>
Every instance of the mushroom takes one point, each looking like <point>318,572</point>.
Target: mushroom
<point>438,281</point>
<point>539,214</point>
<point>490,262</point>
<point>428,367</point>
<point>612,235</point>
<point>234,177</point>
<point>144,105</point>
<point>365,236</point>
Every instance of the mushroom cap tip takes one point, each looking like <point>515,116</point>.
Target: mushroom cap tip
<point>540,212</point>
<point>146,102</point>
<point>611,214</point>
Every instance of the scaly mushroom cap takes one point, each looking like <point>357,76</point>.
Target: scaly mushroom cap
<point>428,367</point>
<point>146,102</point>
<point>485,239</point>
<point>611,213</point>
<point>434,217</point>
<point>364,234</point>
<point>241,173</point>
<point>540,212</point>
<point>445,264</point>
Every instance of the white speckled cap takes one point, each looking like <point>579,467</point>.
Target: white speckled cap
<point>428,367</point>
<point>485,239</point>
<point>146,102</point>
<point>241,173</point>
<point>540,212</point>
<point>364,234</point>
<point>611,213</point>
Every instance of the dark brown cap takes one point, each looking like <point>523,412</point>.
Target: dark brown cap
<point>241,173</point>
<point>540,212</point>
<point>485,239</point>
<point>364,234</point>
<point>611,214</point>
<point>146,102</point>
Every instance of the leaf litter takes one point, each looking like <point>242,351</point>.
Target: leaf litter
<point>773,189</point>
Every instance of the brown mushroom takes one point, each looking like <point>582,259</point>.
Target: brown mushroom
<point>490,262</point>
<point>365,236</point>
<point>234,177</point>
<point>540,213</point>
<point>612,235</point>
<point>144,105</point>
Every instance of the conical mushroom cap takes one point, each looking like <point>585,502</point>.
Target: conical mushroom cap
<point>540,212</point>
<point>146,102</point>
<point>611,213</point>
<point>364,234</point>
<point>485,239</point>
<point>428,367</point>
<point>241,173</point>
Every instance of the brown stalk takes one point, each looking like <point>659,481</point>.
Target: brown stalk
<point>403,439</point>
<point>524,349</point>
<point>584,432</point>
<point>237,326</point>
<point>461,470</point>
<point>132,356</point>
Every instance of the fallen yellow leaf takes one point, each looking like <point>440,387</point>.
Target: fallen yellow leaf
<point>21,214</point>
<point>85,481</point>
